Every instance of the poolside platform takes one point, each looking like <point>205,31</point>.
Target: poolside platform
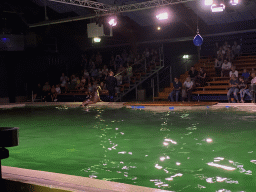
<point>167,103</point>
<point>158,106</point>
<point>27,180</point>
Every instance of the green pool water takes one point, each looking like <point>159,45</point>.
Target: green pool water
<point>176,151</point>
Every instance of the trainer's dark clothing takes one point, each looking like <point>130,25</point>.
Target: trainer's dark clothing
<point>111,83</point>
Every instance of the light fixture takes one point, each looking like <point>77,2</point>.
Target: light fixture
<point>96,39</point>
<point>234,2</point>
<point>218,7</point>
<point>208,2</point>
<point>162,16</point>
<point>158,28</point>
<point>185,56</point>
<point>112,22</point>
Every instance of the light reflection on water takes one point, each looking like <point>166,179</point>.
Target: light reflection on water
<point>181,155</point>
<point>176,151</point>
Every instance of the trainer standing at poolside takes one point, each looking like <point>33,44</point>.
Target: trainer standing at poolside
<point>111,83</point>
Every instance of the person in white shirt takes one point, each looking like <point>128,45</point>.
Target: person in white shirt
<point>233,71</point>
<point>226,67</point>
<point>188,88</point>
<point>253,82</point>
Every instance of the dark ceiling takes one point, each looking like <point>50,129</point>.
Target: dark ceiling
<point>183,16</point>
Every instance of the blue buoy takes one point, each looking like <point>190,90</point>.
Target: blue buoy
<point>198,40</point>
<point>171,108</point>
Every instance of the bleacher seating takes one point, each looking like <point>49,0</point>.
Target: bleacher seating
<point>215,85</point>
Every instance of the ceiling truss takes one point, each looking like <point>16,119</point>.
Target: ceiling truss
<point>102,9</point>
<point>86,3</point>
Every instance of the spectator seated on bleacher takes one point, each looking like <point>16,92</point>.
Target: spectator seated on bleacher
<point>233,88</point>
<point>46,92</point>
<point>202,77</point>
<point>53,93</point>
<point>94,72</point>
<point>226,67</point>
<point>103,88</point>
<point>104,72</point>
<point>90,88</point>
<point>220,53</point>
<point>243,89</point>
<point>245,75</point>
<point>217,66</point>
<point>37,92</point>
<point>63,82</point>
<point>187,89</point>
<point>233,71</point>
<point>193,73</point>
<point>226,46</point>
<point>176,90</point>
<point>236,50</point>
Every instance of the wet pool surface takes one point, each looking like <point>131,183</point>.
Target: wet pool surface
<point>176,151</point>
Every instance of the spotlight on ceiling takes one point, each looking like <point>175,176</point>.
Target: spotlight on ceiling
<point>218,7</point>
<point>162,16</point>
<point>208,2</point>
<point>234,2</point>
<point>158,28</point>
<point>96,39</point>
<point>112,22</point>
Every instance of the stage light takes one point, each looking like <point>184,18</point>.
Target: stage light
<point>218,7</point>
<point>96,39</point>
<point>185,56</point>
<point>234,2</point>
<point>112,22</point>
<point>162,16</point>
<point>158,28</point>
<point>208,2</point>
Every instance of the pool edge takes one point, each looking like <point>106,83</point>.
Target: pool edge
<point>247,107</point>
<point>65,182</point>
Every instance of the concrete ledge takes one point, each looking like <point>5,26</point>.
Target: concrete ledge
<point>249,107</point>
<point>48,180</point>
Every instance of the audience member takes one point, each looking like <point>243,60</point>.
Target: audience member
<point>37,92</point>
<point>94,72</point>
<point>242,85</point>
<point>202,77</point>
<point>236,50</point>
<point>233,88</point>
<point>63,82</point>
<point>193,73</point>
<point>217,65</point>
<point>188,88</point>
<point>53,93</point>
<point>58,90</point>
<point>253,81</point>
<point>226,67</point>
<point>46,92</point>
<point>233,71</point>
<point>245,75</point>
<point>90,88</point>
<point>176,90</point>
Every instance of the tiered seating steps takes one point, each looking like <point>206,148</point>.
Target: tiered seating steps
<point>215,85</point>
